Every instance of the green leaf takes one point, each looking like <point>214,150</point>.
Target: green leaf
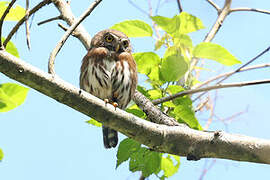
<point>11,96</point>
<point>167,165</point>
<point>173,89</point>
<point>11,48</point>
<point>146,161</point>
<point>134,109</point>
<point>183,41</point>
<point>170,25</point>
<point>94,123</point>
<point>172,50</point>
<point>16,13</point>
<point>134,28</point>
<point>146,61</point>
<point>189,23</point>
<point>173,68</point>
<point>215,52</point>
<point>155,93</point>
<point>142,90</point>
<point>126,148</point>
<point>154,76</point>
<point>1,154</point>
<point>184,112</point>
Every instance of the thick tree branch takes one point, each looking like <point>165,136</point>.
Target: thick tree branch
<point>179,140</point>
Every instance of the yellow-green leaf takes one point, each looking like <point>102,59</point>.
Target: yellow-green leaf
<point>11,96</point>
<point>173,68</point>
<point>94,123</point>
<point>134,28</point>
<point>1,154</point>
<point>208,50</point>
<point>146,61</point>
<point>168,166</point>
<point>15,13</point>
<point>11,48</point>
<point>170,25</point>
<point>189,23</point>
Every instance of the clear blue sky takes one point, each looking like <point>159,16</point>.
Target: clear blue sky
<point>43,139</point>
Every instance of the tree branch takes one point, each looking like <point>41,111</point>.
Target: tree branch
<point>2,19</point>
<point>218,86</point>
<point>68,33</point>
<point>231,73</point>
<point>250,9</point>
<point>31,12</point>
<point>65,11</point>
<point>179,140</point>
<point>51,19</point>
<point>214,5</point>
<point>179,6</point>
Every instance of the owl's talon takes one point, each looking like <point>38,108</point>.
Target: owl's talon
<point>106,101</point>
<point>115,105</point>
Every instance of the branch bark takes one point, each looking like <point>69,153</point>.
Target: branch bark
<point>179,140</point>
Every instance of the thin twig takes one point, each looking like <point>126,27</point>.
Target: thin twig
<point>179,6</point>
<point>153,23</point>
<point>214,5</point>
<point>67,34</point>
<point>27,25</point>
<point>137,7</point>
<point>219,86</point>
<point>2,20</point>
<point>230,73</point>
<point>250,9</point>
<point>222,14</point>
<point>74,33</point>
<point>31,12</point>
<point>60,17</point>
<point>238,69</point>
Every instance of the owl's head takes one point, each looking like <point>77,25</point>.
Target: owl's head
<point>113,40</point>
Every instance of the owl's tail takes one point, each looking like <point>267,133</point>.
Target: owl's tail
<point>110,137</point>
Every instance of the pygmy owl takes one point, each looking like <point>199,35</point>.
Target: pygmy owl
<point>109,72</point>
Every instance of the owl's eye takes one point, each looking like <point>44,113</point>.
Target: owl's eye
<point>109,38</point>
<point>125,43</point>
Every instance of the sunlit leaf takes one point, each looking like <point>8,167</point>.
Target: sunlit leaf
<point>170,25</point>
<point>189,23</point>
<point>134,28</point>
<point>143,90</point>
<point>11,48</point>
<point>15,13</point>
<point>155,93</point>
<point>184,112</point>
<point>173,68</point>
<point>135,110</point>
<point>146,61</point>
<point>173,89</point>
<point>126,148</point>
<point>168,166</point>
<point>1,154</point>
<point>11,96</point>
<point>146,161</point>
<point>215,52</point>
<point>182,40</point>
<point>94,123</point>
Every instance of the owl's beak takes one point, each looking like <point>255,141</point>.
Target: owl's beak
<point>117,48</point>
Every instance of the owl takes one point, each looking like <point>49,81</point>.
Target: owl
<point>109,72</point>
